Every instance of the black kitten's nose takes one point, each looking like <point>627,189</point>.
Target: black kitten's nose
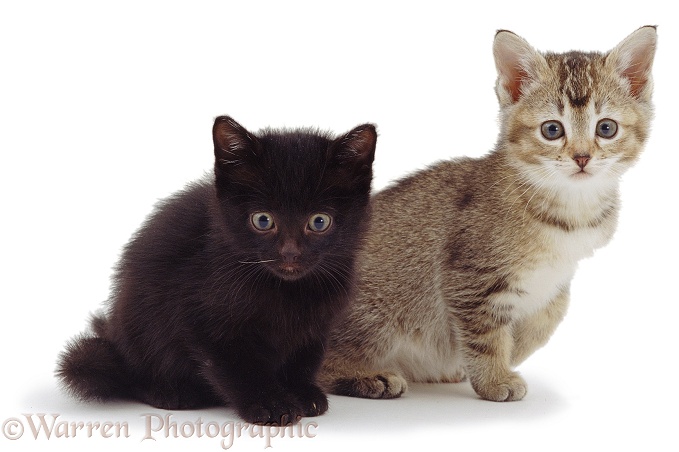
<point>290,252</point>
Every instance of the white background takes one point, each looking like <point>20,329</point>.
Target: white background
<point>105,108</point>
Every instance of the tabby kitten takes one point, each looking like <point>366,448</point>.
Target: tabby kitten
<point>476,292</point>
<point>227,293</point>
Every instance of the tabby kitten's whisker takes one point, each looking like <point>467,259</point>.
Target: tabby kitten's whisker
<point>468,263</point>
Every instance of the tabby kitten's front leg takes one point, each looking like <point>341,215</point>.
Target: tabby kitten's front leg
<point>493,343</point>
<point>535,330</point>
<point>487,344</point>
<point>485,331</point>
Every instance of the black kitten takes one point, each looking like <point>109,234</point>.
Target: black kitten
<point>227,293</point>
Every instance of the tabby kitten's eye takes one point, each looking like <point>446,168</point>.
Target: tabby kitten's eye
<point>552,130</point>
<point>319,222</point>
<point>606,128</point>
<point>262,221</point>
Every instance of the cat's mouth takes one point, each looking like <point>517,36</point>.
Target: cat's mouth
<point>582,174</point>
<point>290,267</point>
<point>289,270</point>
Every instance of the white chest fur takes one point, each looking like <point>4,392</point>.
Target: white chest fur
<point>536,281</point>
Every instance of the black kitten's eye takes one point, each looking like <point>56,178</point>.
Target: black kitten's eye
<point>319,222</point>
<point>552,130</point>
<point>262,221</point>
<point>606,128</point>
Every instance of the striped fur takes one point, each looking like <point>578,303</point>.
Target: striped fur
<point>469,262</point>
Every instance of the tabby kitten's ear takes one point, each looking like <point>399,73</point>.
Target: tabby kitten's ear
<point>632,59</point>
<point>518,65</point>
<point>352,155</point>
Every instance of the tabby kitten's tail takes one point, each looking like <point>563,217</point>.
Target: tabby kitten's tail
<point>92,369</point>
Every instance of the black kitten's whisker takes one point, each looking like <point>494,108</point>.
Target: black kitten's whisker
<point>197,317</point>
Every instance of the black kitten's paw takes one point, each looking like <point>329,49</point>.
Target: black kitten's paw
<point>279,410</point>
<point>314,401</point>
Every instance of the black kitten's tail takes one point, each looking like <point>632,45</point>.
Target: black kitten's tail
<point>92,369</point>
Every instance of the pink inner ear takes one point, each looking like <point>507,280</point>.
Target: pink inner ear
<point>636,73</point>
<point>515,79</point>
<point>509,52</point>
<point>634,58</point>
<point>636,81</point>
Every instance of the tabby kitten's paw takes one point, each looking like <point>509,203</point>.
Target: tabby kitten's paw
<point>280,410</point>
<point>511,387</point>
<point>373,386</point>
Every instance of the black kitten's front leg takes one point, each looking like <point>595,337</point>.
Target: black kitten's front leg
<point>299,376</point>
<point>246,377</point>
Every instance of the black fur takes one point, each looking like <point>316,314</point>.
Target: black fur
<point>207,310</point>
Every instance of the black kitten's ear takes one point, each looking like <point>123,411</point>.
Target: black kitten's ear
<point>233,144</point>
<point>351,157</point>
<point>356,148</point>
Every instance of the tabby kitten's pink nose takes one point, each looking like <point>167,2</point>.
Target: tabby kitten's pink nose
<point>582,160</point>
